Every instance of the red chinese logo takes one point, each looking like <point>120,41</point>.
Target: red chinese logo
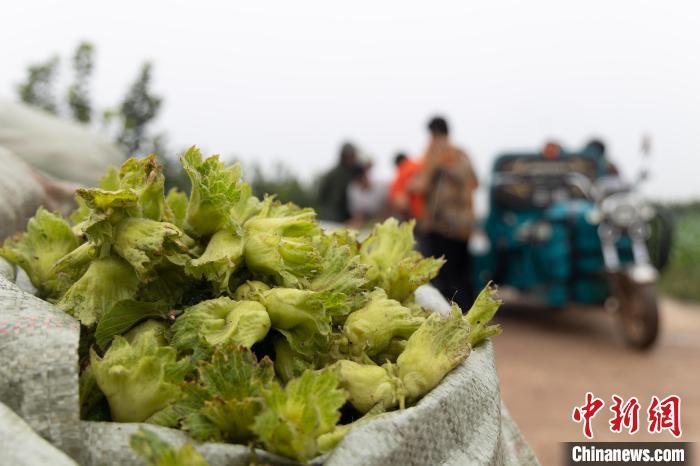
<point>625,415</point>
<point>661,415</point>
<point>665,415</point>
<point>587,412</point>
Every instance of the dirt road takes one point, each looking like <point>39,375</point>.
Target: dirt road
<point>547,361</point>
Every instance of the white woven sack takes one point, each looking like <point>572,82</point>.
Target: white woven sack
<point>57,147</point>
<point>20,193</point>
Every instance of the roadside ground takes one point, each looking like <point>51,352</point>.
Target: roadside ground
<point>547,361</point>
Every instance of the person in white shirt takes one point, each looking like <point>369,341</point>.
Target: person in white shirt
<point>367,199</point>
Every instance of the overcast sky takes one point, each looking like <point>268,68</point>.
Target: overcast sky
<point>292,80</point>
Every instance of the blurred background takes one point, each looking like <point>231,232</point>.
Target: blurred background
<point>280,86</point>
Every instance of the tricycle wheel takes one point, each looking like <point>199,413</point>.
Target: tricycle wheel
<point>639,314</point>
<point>659,243</point>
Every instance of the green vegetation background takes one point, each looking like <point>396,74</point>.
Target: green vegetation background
<point>681,279</point>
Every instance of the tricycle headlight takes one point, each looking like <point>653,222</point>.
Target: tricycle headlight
<point>622,210</point>
<point>594,216</point>
<point>624,215</point>
<point>647,212</point>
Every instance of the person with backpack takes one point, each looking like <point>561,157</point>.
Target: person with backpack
<point>446,182</point>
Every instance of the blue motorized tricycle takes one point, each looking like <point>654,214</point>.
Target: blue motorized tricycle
<point>563,228</point>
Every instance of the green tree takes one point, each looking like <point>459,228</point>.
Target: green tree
<point>129,122</point>
<point>138,109</point>
<point>79,101</point>
<point>37,90</point>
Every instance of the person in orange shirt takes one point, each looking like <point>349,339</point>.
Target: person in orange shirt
<point>405,204</point>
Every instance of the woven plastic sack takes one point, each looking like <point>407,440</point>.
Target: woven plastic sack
<point>21,446</point>
<point>23,188</point>
<point>460,422</point>
<point>20,193</point>
<point>57,147</point>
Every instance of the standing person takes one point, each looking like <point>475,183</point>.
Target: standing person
<point>447,183</point>
<point>367,198</point>
<point>404,204</point>
<point>333,200</point>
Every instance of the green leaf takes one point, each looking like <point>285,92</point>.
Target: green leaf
<point>284,220</point>
<point>80,215</point>
<point>48,238</point>
<point>144,243</point>
<point>327,442</point>
<point>176,201</point>
<point>340,271</point>
<point>200,428</point>
<point>303,317</point>
<point>232,418</point>
<point>124,315</point>
<point>96,198</point>
<point>222,257</point>
<point>291,308</point>
<point>135,190</point>
<point>220,321</point>
<point>279,242</point>
<point>75,262</point>
<point>288,260</point>
<point>437,347</point>
<point>166,417</point>
<point>169,286</point>
<point>145,176</point>
<point>481,313</point>
<point>110,180</point>
<point>371,329</point>
<point>139,377</point>
<point>369,386</point>
<point>246,207</point>
<point>224,402</point>
<point>288,363</point>
<point>106,208</point>
<point>393,263</point>
<point>215,190</point>
<point>295,416</point>
<point>155,452</point>
<point>106,282</point>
